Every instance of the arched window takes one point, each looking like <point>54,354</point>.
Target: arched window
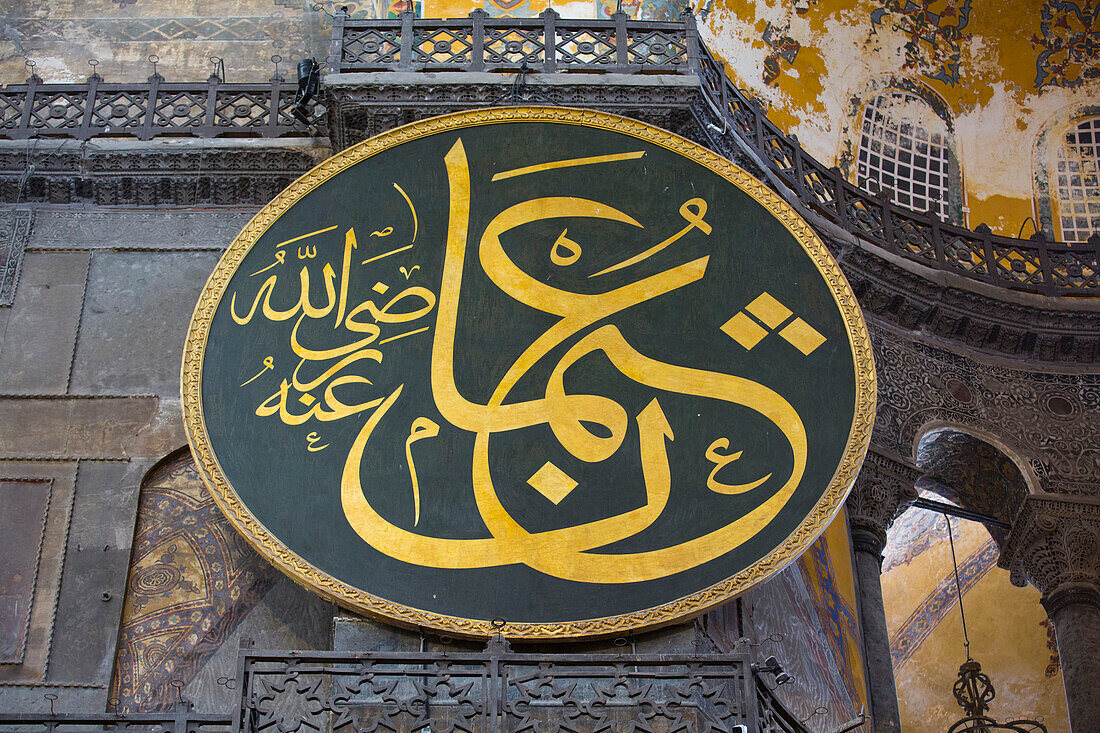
<point>906,148</point>
<point>1076,189</point>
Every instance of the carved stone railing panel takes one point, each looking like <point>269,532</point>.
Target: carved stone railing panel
<point>153,108</point>
<point>499,691</point>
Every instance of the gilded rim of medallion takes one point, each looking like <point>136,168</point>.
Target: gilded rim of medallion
<point>297,568</point>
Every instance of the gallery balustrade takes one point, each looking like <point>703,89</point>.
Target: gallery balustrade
<point>551,44</point>
<point>493,691</point>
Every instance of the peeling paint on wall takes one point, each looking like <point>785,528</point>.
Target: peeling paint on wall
<point>983,61</point>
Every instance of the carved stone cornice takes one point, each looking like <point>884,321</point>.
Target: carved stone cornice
<point>883,490</point>
<point>1055,546</point>
<point>159,172</point>
<point>361,105</point>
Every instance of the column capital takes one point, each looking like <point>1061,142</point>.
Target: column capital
<point>1054,545</point>
<point>883,490</point>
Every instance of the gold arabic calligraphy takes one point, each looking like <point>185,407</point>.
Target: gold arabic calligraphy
<point>569,553</point>
<point>565,553</point>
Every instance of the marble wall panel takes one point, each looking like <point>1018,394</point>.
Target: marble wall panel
<point>135,320</point>
<point>37,346</point>
<point>29,672</point>
<point>97,558</point>
<point>23,526</point>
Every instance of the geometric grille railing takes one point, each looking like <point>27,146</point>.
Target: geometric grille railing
<point>497,691</point>
<point>550,43</point>
<point>1034,265</point>
<point>439,691</point>
<point>547,43</point>
<point>149,109</point>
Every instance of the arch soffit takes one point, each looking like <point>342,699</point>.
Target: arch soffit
<point>983,473</point>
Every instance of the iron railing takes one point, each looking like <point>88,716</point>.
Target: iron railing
<point>548,43</point>
<point>1034,265</point>
<point>493,691</point>
<point>552,44</point>
<point>154,108</point>
<point>496,691</point>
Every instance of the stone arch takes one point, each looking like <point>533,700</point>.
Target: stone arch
<point>974,471</point>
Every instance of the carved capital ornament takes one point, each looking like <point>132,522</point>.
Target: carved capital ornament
<point>1055,546</point>
<point>544,366</point>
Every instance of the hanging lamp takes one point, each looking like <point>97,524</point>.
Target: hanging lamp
<point>973,689</point>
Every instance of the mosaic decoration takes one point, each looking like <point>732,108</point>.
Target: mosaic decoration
<point>909,539</point>
<point>980,476</point>
<point>192,580</point>
<point>1054,666</point>
<point>936,34</point>
<point>803,604</point>
<point>937,604</point>
<point>1068,43</point>
<point>511,9</point>
<point>783,47</point>
<point>836,614</point>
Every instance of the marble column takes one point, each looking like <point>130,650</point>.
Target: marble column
<point>882,491</point>
<point>1055,546</point>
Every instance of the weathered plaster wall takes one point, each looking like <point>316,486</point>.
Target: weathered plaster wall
<point>60,36</point>
<point>1006,74</point>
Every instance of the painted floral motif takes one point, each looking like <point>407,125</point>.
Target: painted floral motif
<point>838,618</point>
<point>641,9</point>
<point>1054,665</point>
<point>1069,39</point>
<point>936,34</point>
<point>783,47</point>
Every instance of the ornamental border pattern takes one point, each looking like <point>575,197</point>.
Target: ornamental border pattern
<point>329,587</point>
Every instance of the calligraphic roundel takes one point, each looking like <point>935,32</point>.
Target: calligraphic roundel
<point>542,367</point>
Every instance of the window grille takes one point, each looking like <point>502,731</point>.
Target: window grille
<point>905,152</point>
<point>1077,190</point>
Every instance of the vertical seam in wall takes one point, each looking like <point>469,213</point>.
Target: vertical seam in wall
<point>79,321</point>
<point>61,573</point>
<point>37,569</point>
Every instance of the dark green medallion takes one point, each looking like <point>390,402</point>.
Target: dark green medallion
<point>534,364</point>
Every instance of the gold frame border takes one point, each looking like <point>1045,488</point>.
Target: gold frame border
<point>360,601</point>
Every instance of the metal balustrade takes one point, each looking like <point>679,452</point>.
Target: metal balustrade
<point>493,691</point>
<point>154,108</point>
<point>550,43</point>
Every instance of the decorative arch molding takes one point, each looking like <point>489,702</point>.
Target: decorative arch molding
<point>1046,422</point>
<point>1007,447</point>
<point>972,473</point>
